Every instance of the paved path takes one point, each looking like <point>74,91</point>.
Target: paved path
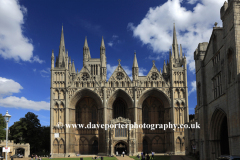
<point>124,158</point>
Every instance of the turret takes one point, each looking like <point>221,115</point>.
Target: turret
<point>103,54</point>
<point>135,69</point>
<point>86,52</point>
<point>73,70</point>
<point>164,68</point>
<point>103,61</point>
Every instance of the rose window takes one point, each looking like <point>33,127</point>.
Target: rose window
<point>154,76</point>
<point>120,76</point>
<point>85,76</point>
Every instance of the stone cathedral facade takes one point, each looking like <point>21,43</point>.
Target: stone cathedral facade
<point>80,97</point>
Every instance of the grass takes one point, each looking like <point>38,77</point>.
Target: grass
<point>155,157</point>
<point>84,158</point>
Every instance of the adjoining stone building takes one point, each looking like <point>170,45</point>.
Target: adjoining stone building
<point>15,148</point>
<point>87,96</point>
<point>218,87</point>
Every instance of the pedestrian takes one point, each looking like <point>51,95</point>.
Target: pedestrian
<point>32,157</point>
<point>50,155</point>
<point>123,153</point>
<point>36,157</point>
<point>143,156</point>
<point>152,154</point>
<point>148,157</point>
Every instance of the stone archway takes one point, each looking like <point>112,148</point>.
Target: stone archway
<point>121,146</point>
<point>20,151</point>
<point>120,97</point>
<point>154,108</point>
<point>86,107</point>
<point>219,142</point>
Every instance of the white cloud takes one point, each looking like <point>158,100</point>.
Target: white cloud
<point>193,86</point>
<point>192,1</point>
<point>9,86</point>
<point>13,44</point>
<point>193,27</point>
<point>127,69</point>
<point>45,72</point>
<point>16,102</point>
<point>114,40</point>
<point>34,70</point>
<point>110,44</point>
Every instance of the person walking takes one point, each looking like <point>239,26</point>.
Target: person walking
<point>32,157</point>
<point>123,153</point>
<point>152,154</point>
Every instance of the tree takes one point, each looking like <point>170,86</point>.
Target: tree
<point>2,128</point>
<point>27,130</point>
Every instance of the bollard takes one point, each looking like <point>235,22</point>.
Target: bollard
<point>101,158</point>
<point>81,158</point>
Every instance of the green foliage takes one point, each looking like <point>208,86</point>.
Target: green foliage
<point>29,130</point>
<point>2,128</point>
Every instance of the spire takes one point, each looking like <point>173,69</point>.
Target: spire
<point>175,44</point>
<point>102,43</point>
<point>135,63</point>
<point>61,54</point>
<point>69,65</point>
<point>174,35</point>
<point>160,71</point>
<point>52,53</point>
<point>86,52</point>
<point>85,43</point>
<point>73,67</point>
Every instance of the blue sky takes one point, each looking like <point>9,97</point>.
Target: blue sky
<point>30,30</point>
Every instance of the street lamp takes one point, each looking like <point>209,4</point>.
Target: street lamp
<point>7,118</point>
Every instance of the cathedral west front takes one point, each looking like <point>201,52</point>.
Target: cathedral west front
<point>81,97</point>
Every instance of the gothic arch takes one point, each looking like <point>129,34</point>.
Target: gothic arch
<point>157,144</point>
<point>219,142</point>
<point>178,144</point>
<point>121,94</point>
<point>61,146</point>
<point>156,93</point>
<point>83,145</point>
<point>55,146</point>
<point>83,93</point>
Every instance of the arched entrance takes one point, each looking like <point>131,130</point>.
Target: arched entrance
<point>86,107</point>
<point>154,108</point>
<point>120,147</point>
<point>20,151</point>
<point>219,134</point>
<point>145,146</point>
<point>95,147</point>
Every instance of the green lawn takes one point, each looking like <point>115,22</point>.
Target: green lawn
<point>84,158</point>
<point>155,157</point>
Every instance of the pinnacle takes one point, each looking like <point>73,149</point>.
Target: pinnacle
<point>174,35</point>
<point>135,63</point>
<point>102,43</point>
<point>85,43</point>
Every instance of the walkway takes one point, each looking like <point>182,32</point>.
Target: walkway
<point>124,158</point>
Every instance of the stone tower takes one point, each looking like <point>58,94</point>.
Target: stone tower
<point>217,83</point>
<point>87,96</point>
